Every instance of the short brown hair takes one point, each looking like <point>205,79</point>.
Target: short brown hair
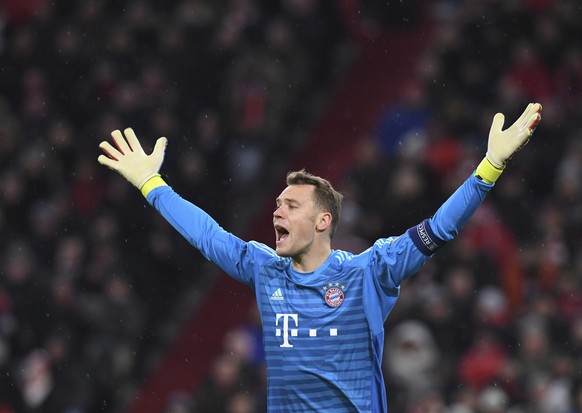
<point>326,198</point>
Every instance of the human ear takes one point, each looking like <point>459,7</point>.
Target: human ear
<point>323,221</point>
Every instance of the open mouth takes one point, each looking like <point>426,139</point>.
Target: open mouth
<point>281,233</point>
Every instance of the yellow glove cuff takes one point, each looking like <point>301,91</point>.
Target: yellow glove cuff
<point>487,172</point>
<point>152,183</point>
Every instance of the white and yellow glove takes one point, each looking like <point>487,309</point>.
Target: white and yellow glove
<point>503,144</point>
<point>130,160</point>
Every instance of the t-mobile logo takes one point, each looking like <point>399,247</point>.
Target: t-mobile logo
<point>286,318</point>
<point>286,331</point>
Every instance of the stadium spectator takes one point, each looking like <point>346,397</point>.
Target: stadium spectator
<point>63,90</point>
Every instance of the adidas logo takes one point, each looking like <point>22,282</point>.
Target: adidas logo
<point>277,295</point>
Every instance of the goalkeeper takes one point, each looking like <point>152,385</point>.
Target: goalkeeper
<point>322,310</point>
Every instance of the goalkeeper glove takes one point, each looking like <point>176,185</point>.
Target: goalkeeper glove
<point>503,144</point>
<point>130,160</point>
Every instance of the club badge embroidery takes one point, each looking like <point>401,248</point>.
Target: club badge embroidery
<point>334,294</point>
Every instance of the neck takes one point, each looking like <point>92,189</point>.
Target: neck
<point>311,261</point>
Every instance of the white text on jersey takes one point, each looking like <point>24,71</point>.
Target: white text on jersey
<point>293,332</point>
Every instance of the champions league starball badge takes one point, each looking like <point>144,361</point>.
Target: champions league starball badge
<point>334,297</point>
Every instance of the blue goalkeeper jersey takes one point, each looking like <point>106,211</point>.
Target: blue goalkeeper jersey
<point>323,331</point>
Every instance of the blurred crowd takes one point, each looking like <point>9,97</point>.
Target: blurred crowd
<point>92,282</point>
<point>90,277</point>
<point>493,323</point>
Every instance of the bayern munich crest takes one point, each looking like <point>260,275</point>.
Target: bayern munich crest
<point>334,296</point>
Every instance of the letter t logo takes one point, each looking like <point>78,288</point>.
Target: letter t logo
<point>286,318</point>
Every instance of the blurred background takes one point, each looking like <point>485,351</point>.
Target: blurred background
<point>104,308</point>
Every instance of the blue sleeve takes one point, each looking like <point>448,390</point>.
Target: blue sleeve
<point>393,260</point>
<point>451,217</point>
<point>396,259</point>
<point>389,262</point>
<point>236,257</point>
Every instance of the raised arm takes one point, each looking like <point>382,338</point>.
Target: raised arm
<point>423,240</point>
<point>195,225</point>
<point>456,211</point>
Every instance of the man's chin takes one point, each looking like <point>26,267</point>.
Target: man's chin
<point>282,252</point>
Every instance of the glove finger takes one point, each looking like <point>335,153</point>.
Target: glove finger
<point>523,121</point>
<point>110,150</point>
<point>534,109</point>
<point>160,147</point>
<point>108,162</point>
<point>132,140</point>
<point>534,122</point>
<point>536,116</point>
<point>120,142</point>
<point>498,121</point>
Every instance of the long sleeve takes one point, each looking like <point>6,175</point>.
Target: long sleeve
<point>203,232</point>
<point>398,258</point>
<point>452,216</point>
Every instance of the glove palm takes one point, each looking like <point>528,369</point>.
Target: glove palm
<point>130,160</point>
<point>503,144</point>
